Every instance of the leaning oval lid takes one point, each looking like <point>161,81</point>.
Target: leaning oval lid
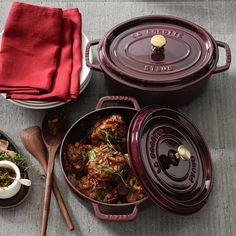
<point>170,159</point>
<point>158,49</point>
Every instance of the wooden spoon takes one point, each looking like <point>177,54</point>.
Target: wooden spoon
<point>54,127</point>
<point>33,142</point>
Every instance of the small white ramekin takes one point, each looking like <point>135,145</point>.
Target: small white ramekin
<point>13,189</point>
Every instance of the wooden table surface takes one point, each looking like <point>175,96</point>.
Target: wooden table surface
<point>214,113</point>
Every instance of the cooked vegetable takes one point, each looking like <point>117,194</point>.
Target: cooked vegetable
<point>98,165</point>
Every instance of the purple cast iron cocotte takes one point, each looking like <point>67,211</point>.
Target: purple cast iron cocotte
<point>172,75</point>
<point>167,154</point>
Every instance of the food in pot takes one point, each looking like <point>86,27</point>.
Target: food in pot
<point>7,177</point>
<point>98,165</point>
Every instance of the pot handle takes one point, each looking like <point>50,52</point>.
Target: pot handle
<point>117,98</point>
<point>87,51</point>
<point>228,57</point>
<point>107,217</point>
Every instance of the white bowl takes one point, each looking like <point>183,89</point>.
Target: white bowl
<point>85,76</point>
<point>13,189</point>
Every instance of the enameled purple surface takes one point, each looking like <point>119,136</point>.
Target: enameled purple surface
<point>171,78</point>
<point>181,187</point>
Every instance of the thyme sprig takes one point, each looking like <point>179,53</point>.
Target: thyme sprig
<point>111,140</point>
<point>119,173</point>
<point>108,138</point>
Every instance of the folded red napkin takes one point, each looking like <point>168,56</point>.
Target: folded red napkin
<point>61,83</point>
<point>75,16</point>
<point>54,76</point>
<point>30,46</point>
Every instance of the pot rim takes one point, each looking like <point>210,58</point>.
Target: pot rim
<point>116,73</point>
<point>64,173</point>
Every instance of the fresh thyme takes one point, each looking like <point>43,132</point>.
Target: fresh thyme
<point>119,173</point>
<point>110,139</point>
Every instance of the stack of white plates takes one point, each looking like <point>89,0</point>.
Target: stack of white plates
<point>84,81</point>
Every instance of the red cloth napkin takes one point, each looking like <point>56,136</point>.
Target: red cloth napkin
<point>75,16</point>
<point>30,46</point>
<point>61,84</point>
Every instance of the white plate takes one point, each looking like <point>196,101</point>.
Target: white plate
<point>45,105</point>
<point>85,76</point>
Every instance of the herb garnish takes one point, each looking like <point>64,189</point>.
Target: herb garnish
<point>119,173</point>
<point>91,154</point>
<point>109,138</point>
<point>126,156</point>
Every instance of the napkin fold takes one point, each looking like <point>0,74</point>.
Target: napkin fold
<point>40,57</point>
<point>75,16</point>
<point>61,83</point>
<point>30,47</point>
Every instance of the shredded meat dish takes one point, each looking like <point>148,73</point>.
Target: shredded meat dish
<point>98,165</point>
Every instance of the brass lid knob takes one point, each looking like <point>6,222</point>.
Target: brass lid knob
<point>183,153</point>
<point>158,41</point>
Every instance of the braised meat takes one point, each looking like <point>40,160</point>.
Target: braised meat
<point>111,129</point>
<point>106,163</point>
<point>98,165</point>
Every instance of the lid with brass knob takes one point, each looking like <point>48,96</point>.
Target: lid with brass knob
<point>158,42</point>
<point>170,159</point>
<point>155,50</point>
<point>183,153</point>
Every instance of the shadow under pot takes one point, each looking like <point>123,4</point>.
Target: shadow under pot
<point>167,155</point>
<point>161,60</point>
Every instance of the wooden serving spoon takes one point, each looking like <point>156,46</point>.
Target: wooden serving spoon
<point>54,127</point>
<point>33,142</point>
